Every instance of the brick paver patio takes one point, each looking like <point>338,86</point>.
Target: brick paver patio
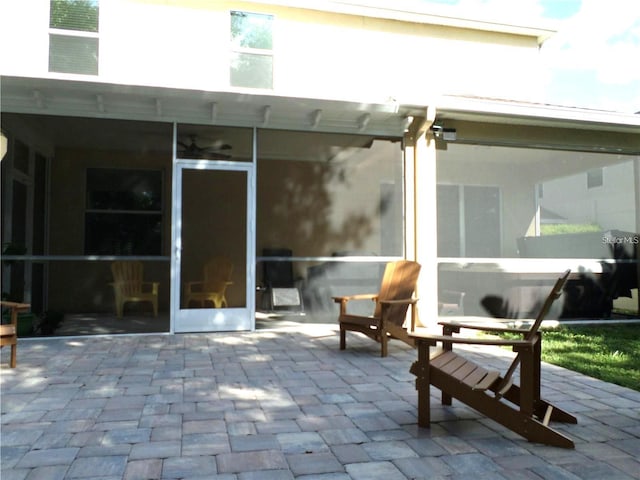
<point>270,405</point>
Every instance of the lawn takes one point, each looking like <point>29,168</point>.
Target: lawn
<point>608,352</point>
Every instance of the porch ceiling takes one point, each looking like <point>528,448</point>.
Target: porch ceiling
<point>78,98</point>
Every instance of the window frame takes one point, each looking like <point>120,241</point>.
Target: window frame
<point>595,178</point>
<point>262,52</point>
<point>74,33</point>
<point>132,213</point>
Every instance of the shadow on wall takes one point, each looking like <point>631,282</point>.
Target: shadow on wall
<point>331,208</point>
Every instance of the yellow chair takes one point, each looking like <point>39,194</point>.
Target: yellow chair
<point>217,277</point>
<point>128,286</point>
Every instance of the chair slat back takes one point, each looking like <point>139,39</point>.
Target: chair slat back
<point>217,272</point>
<point>128,276</point>
<point>398,283</point>
<point>555,293</point>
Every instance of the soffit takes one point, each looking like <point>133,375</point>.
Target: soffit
<point>80,98</point>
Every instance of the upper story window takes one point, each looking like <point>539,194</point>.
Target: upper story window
<point>73,36</point>
<point>595,178</point>
<point>251,50</point>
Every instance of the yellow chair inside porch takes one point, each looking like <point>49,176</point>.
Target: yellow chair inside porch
<point>212,288</point>
<point>129,286</point>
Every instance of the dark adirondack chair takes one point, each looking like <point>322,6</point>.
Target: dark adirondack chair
<point>517,407</point>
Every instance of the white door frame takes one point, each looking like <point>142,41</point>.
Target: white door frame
<point>221,319</point>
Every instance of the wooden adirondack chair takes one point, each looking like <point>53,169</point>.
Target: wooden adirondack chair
<point>391,305</point>
<point>9,332</point>
<point>128,286</point>
<point>517,407</point>
<point>216,278</point>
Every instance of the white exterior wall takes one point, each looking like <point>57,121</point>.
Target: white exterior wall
<point>316,54</point>
<point>612,205</point>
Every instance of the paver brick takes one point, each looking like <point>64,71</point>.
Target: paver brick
<point>52,456</point>
<point>293,407</point>
<point>237,462</point>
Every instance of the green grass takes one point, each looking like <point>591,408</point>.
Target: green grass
<point>608,352</point>
<point>562,228</point>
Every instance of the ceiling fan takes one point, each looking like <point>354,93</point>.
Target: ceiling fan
<point>190,149</point>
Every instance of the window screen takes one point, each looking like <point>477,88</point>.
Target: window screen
<point>252,50</point>
<point>73,36</point>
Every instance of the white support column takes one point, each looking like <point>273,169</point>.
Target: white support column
<point>422,237</point>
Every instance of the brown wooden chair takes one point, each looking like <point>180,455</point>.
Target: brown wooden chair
<point>129,286</point>
<point>9,332</point>
<point>517,407</point>
<point>213,287</point>
<point>391,304</point>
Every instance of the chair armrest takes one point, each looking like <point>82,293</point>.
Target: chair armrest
<point>20,307</point>
<point>456,326</point>
<point>189,286</point>
<point>433,339</point>
<point>154,286</point>
<point>359,296</point>
<point>408,301</point>
<point>14,308</point>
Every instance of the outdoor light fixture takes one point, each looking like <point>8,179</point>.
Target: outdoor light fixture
<point>446,134</point>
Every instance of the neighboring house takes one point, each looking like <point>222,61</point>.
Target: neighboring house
<point>172,132</point>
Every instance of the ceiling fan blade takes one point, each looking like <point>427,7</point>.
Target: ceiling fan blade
<point>213,152</point>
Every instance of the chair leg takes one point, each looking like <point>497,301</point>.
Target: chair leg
<point>13,360</point>
<point>155,308</point>
<point>384,340</point>
<point>343,338</point>
<point>421,370</point>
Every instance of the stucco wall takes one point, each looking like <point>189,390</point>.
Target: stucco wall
<point>318,54</point>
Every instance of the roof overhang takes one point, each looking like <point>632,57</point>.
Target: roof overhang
<point>82,98</point>
<point>487,121</point>
<point>501,122</point>
<point>431,14</point>
<point>525,113</point>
